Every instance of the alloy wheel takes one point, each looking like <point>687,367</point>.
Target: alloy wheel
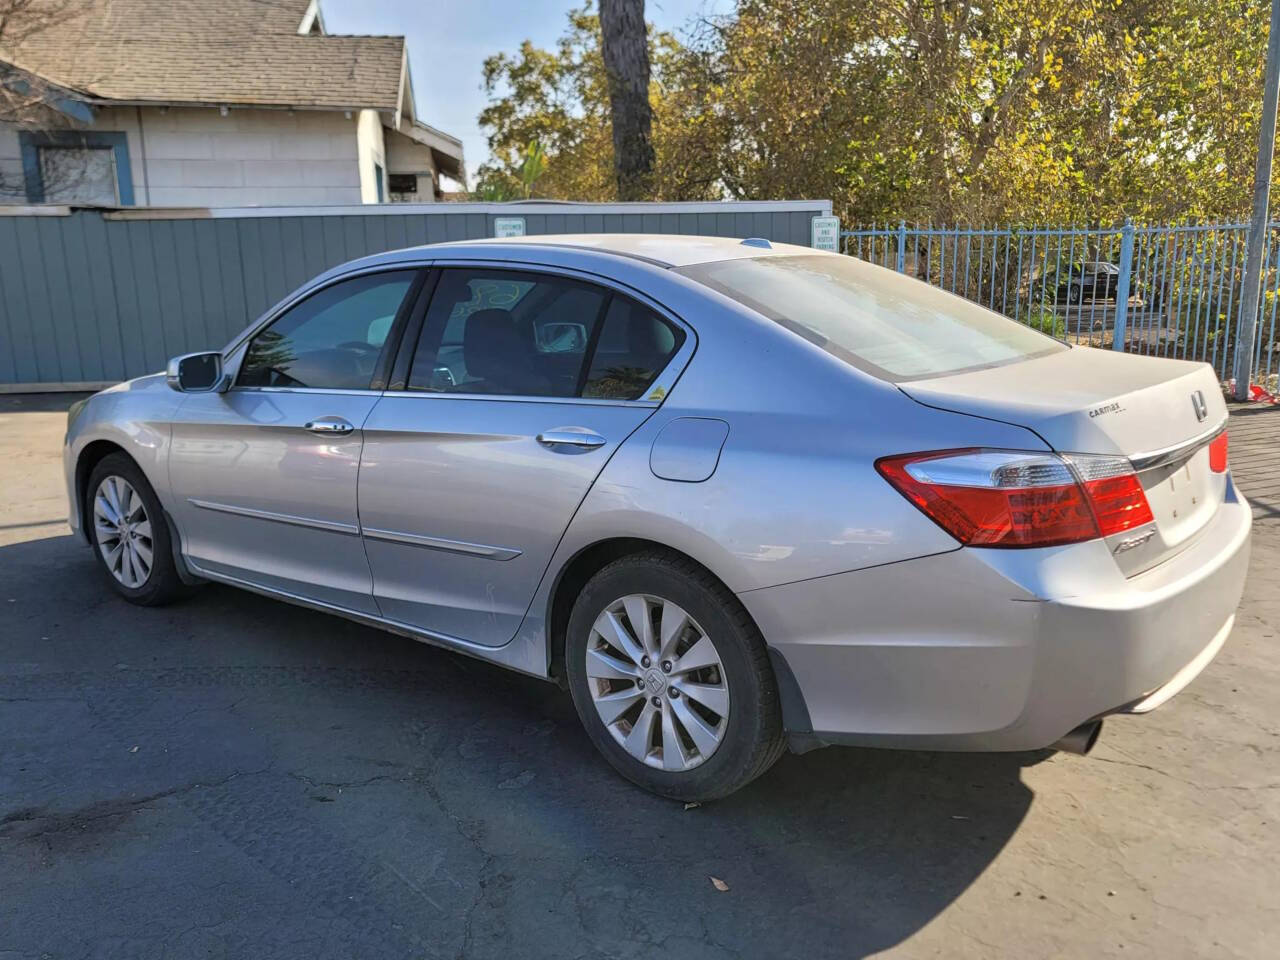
<point>123,531</point>
<point>657,682</point>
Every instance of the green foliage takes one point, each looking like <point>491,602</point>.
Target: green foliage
<point>930,110</point>
<point>534,166</point>
<point>1046,320</point>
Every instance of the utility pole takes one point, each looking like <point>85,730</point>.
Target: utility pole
<point>1258,222</point>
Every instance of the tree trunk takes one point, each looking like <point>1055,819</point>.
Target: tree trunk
<point>625,46</point>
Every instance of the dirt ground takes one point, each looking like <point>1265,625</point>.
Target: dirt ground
<point>233,777</point>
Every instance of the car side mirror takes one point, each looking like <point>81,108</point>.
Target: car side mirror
<point>196,373</point>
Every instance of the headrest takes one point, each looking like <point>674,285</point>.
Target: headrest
<point>494,345</point>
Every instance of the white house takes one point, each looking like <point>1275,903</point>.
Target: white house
<point>195,103</point>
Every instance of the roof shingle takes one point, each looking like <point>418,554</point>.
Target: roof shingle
<point>231,51</point>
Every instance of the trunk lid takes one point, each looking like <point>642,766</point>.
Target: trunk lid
<point>1161,414</point>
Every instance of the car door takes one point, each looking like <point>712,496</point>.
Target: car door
<point>521,386</point>
<point>264,474</point>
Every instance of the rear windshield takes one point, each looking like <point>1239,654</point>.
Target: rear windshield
<point>893,327</point>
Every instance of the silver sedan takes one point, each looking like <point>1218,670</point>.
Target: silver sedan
<point>735,496</point>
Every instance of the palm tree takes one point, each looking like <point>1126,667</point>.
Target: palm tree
<point>625,46</point>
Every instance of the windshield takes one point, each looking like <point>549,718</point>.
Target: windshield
<point>892,327</point>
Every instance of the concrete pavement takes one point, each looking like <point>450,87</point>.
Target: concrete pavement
<point>234,777</point>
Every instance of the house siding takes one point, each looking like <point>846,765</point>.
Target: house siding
<point>408,156</point>
<point>188,156</point>
<point>371,150</point>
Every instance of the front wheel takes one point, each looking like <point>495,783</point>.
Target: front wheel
<point>129,533</point>
<point>671,678</point>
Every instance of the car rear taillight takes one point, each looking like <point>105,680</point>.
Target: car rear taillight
<point>1218,453</point>
<point>1005,498</point>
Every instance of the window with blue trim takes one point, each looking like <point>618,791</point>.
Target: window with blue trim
<point>77,167</point>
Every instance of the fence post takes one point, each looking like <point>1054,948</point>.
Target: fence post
<point>902,246</point>
<point>1122,286</point>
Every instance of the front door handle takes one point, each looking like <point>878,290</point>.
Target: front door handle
<point>572,438</point>
<point>330,426</point>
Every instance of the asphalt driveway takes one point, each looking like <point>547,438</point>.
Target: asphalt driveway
<point>234,777</point>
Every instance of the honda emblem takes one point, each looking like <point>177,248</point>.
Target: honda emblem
<point>1197,402</point>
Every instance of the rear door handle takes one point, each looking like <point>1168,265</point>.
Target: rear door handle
<point>331,426</point>
<point>572,438</point>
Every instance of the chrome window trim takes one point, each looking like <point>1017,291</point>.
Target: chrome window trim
<point>439,543</point>
<point>1177,452</point>
<point>522,398</point>
<point>337,391</point>
<point>331,526</point>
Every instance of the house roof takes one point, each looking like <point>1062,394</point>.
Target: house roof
<point>225,52</point>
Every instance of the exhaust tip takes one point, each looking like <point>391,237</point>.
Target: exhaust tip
<point>1081,739</point>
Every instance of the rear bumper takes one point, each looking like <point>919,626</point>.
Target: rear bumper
<point>1000,650</point>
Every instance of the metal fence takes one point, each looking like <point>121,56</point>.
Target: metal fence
<point>1169,291</point>
<point>91,297</point>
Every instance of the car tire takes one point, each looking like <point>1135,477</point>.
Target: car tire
<point>679,706</point>
<point>1075,294</point>
<point>135,552</point>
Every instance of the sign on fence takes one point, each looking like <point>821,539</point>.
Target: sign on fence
<point>508,227</point>
<point>826,234</point>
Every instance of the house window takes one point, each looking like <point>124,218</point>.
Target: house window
<point>79,175</point>
<point>377,179</point>
<point>406,183</point>
<point>77,167</point>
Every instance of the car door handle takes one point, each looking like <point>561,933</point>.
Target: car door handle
<point>572,438</point>
<point>332,426</point>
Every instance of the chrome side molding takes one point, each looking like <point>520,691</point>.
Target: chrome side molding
<point>350,529</point>
<point>485,550</point>
<point>439,543</point>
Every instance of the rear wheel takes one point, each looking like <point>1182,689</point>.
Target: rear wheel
<point>130,536</point>
<point>672,679</point>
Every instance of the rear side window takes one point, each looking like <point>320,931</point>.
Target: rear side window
<point>499,333</point>
<point>889,325</point>
<point>635,345</point>
<point>537,335</point>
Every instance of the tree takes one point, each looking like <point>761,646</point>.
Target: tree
<point>559,99</point>
<point>534,166</point>
<point>26,99</point>
<point>625,46</point>
<point>931,110</point>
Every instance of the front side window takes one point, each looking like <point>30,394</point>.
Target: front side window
<point>891,326</point>
<point>331,340</point>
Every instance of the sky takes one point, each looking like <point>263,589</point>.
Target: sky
<point>448,42</point>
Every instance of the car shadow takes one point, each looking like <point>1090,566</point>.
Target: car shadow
<point>400,797</point>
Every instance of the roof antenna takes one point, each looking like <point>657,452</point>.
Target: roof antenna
<point>760,242</point>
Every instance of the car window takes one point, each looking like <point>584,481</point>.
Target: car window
<point>889,325</point>
<point>506,333</point>
<point>634,346</point>
<point>331,340</point>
